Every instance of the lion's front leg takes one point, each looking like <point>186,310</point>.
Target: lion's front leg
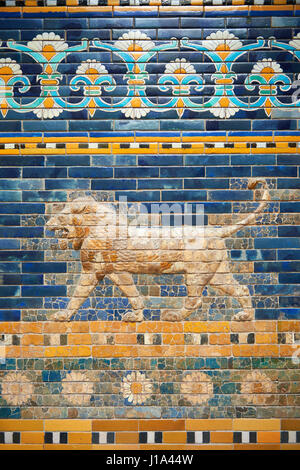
<point>125,282</point>
<point>85,286</point>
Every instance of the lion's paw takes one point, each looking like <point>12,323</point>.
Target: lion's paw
<point>62,315</point>
<point>171,315</point>
<point>133,316</point>
<point>243,316</point>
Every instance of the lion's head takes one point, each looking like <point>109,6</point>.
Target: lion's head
<point>74,220</point>
<point>80,218</point>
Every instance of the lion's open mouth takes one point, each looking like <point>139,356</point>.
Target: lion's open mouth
<point>64,232</point>
<point>61,232</point>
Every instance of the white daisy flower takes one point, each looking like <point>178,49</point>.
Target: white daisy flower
<point>134,42</point>
<point>76,388</point>
<point>91,67</point>
<point>135,109</point>
<point>256,388</point>
<point>136,388</point>
<point>179,66</point>
<point>266,67</point>
<point>224,109</point>
<point>9,66</point>
<point>295,42</point>
<point>48,109</point>
<point>48,44</point>
<point>16,388</point>
<point>197,388</point>
<point>222,41</point>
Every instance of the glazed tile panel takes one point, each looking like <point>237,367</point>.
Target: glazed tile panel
<point>113,335</point>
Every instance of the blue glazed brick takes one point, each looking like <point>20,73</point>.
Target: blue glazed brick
<point>9,220</point>
<point>66,184</point>
<point>91,172</point>
<point>206,160</point>
<point>21,232</point>
<point>94,125</point>
<point>44,291</point>
<point>44,126</point>
<point>217,207</point>
<point>22,208</point>
<point>7,196</point>
<point>137,125</point>
<point>288,231</point>
<point>51,376</point>
<point>266,159</point>
<point>10,315</point>
<point>21,255</point>
<point>22,160</point>
<point>72,160</point>
<point>289,301</point>
<point>228,172</point>
<point>10,126</point>
<point>288,254</point>
<point>65,23</point>
<point>267,314</point>
<point>113,184</point>
<point>9,244</point>
<point>194,124</point>
<point>288,159</point>
<point>230,195</point>
<point>288,183</point>
<point>253,255</point>
<point>290,207</point>
<point>125,160</point>
<point>271,171</point>
<point>289,278</point>
<point>225,126</point>
<point>10,173</point>
<point>184,196</point>
<point>275,267</point>
<point>10,413</point>
<point>160,184</point>
<point>277,243</point>
<point>49,196</point>
<point>138,196</point>
<point>175,172</point>
<point>273,125</point>
<point>21,302</point>
<point>22,279</point>
<point>109,23</point>
<point>204,183</point>
<point>10,267</point>
<point>47,267</point>
<point>21,184</point>
<point>160,160</point>
<point>10,291</point>
<point>136,172</point>
<point>44,172</point>
<point>21,24</point>
<point>281,289</point>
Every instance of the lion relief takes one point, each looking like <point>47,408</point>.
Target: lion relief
<point>108,248</point>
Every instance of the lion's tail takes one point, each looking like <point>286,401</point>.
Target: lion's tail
<point>253,182</point>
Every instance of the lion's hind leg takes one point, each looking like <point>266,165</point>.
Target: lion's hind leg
<point>194,285</point>
<point>224,281</point>
<point>126,284</point>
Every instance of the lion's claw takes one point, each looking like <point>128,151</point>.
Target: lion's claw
<point>242,316</point>
<point>171,315</point>
<point>63,315</point>
<point>133,316</point>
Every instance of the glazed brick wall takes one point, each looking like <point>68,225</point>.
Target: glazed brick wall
<point>147,134</point>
